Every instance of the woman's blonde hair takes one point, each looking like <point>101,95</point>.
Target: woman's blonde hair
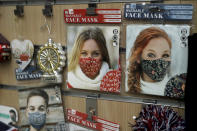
<point>140,43</point>
<point>91,33</point>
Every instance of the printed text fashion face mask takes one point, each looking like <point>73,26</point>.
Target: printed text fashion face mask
<point>155,69</point>
<point>37,120</point>
<point>90,66</point>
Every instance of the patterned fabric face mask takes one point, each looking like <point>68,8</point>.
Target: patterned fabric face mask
<point>90,66</point>
<point>175,87</point>
<point>37,120</point>
<point>155,69</point>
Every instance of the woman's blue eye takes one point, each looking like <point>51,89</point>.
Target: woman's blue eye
<point>151,55</point>
<point>83,53</point>
<point>95,54</point>
<point>165,55</point>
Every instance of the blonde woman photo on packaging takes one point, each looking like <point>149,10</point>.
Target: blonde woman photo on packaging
<point>89,60</point>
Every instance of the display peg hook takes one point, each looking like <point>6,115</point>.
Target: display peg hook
<point>48,10</point>
<point>91,106</point>
<point>157,1</point>
<point>91,10</point>
<point>19,11</point>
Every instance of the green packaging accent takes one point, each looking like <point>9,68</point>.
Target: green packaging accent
<point>4,116</point>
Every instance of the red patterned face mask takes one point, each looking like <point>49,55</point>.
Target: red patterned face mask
<point>90,66</point>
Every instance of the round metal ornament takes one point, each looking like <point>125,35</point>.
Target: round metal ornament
<point>51,59</point>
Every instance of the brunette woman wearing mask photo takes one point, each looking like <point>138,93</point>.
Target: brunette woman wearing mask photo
<point>37,109</point>
<point>149,62</point>
<point>89,60</point>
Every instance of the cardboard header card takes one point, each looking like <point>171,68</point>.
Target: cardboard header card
<point>159,11</point>
<point>98,124</point>
<point>102,16</point>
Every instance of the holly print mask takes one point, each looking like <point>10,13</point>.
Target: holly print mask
<point>90,66</point>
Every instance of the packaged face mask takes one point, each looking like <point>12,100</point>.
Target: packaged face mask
<point>155,54</point>
<point>93,51</point>
<point>175,87</point>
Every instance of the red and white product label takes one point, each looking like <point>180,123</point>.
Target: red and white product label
<point>103,16</point>
<point>99,124</point>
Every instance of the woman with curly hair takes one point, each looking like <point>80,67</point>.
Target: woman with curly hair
<point>149,62</point>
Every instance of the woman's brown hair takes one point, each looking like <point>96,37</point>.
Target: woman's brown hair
<point>134,69</point>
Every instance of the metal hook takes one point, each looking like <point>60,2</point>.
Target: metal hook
<point>91,106</point>
<point>91,10</point>
<point>48,11</point>
<point>19,11</point>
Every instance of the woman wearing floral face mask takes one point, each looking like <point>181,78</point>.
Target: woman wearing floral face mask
<point>149,62</point>
<point>36,111</point>
<point>89,60</point>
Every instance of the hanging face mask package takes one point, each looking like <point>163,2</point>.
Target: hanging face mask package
<point>5,50</point>
<point>157,57</point>
<point>39,106</point>
<point>91,65</point>
<point>24,53</point>
<point>155,67</point>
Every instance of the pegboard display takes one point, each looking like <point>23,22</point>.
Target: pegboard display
<point>35,25</point>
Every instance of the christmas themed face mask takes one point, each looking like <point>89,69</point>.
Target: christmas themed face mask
<point>37,120</point>
<point>155,69</point>
<point>90,66</point>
